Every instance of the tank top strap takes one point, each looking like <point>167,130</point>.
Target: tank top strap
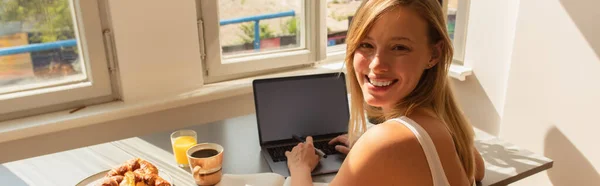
<point>433,160</point>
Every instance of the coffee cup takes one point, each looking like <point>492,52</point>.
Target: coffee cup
<point>206,160</point>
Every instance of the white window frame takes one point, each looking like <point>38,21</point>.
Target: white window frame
<point>217,68</point>
<point>96,88</point>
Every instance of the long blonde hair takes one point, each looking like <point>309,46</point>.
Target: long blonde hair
<point>433,90</point>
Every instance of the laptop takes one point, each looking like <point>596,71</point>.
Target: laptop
<point>310,105</point>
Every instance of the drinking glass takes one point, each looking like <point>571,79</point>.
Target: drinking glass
<point>181,141</point>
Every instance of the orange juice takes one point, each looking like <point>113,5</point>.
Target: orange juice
<point>180,146</point>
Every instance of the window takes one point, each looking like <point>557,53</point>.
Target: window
<point>242,36</point>
<point>251,36</point>
<point>341,12</point>
<point>339,15</point>
<point>278,24</point>
<point>45,57</point>
<point>451,12</point>
<point>457,11</point>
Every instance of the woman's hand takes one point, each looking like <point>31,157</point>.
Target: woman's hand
<point>343,139</point>
<point>302,157</point>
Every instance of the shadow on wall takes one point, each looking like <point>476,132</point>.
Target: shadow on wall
<point>476,105</point>
<point>585,14</point>
<point>570,167</point>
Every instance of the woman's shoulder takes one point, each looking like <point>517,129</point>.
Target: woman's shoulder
<point>400,133</point>
<point>389,132</point>
<point>426,119</point>
<point>434,126</point>
<point>393,133</point>
<point>386,154</point>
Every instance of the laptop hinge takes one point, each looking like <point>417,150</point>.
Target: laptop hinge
<point>278,143</point>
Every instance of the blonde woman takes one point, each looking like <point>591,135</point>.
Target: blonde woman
<point>398,55</point>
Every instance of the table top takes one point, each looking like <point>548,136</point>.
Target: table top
<point>505,163</point>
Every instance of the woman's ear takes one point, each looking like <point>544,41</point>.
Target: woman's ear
<point>436,52</point>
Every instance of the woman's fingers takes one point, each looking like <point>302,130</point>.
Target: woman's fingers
<point>309,140</point>
<point>342,149</point>
<point>340,139</point>
<point>335,140</point>
<point>316,161</point>
<point>343,139</point>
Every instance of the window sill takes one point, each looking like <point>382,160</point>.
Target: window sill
<point>459,72</point>
<point>63,120</point>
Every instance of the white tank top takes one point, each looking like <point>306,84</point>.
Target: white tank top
<point>435,165</point>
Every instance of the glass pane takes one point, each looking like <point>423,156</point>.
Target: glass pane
<point>38,47</point>
<point>452,7</point>
<point>339,15</point>
<point>278,23</point>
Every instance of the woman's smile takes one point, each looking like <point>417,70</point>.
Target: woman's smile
<point>379,85</point>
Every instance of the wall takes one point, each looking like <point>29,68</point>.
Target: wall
<point>546,93</point>
<point>490,37</point>
<point>553,91</point>
<point>160,121</point>
<point>158,46</point>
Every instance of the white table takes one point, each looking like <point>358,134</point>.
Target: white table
<point>505,163</point>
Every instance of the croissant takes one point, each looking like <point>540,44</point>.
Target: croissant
<point>134,171</point>
<point>112,181</point>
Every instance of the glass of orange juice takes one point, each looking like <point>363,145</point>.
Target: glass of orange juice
<point>181,141</point>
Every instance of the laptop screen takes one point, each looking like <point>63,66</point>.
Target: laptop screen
<point>303,105</point>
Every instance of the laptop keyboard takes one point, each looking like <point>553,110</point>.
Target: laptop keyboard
<point>278,153</point>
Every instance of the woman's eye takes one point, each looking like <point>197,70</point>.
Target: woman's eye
<point>401,48</point>
<point>365,45</point>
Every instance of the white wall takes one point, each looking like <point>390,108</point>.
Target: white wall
<point>157,46</point>
<point>554,90</point>
<point>490,37</point>
<point>489,42</point>
<point>550,82</point>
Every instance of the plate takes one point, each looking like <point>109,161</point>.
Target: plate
<point>95,179</point>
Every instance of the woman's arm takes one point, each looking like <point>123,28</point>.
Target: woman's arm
<point>301,178</point>
<point>479,165</point>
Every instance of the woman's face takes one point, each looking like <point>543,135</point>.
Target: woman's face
<point>389,61</point>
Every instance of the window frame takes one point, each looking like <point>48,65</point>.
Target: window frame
<point>98,86</point>
<point>217,68</point>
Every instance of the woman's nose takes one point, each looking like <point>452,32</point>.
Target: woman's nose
<point>378,64</point>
